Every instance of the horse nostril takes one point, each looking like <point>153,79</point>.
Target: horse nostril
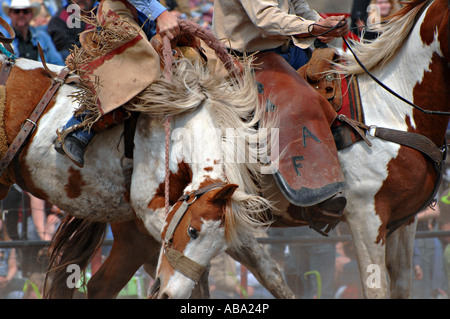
<point>155,288</point>
<point>164,296</point>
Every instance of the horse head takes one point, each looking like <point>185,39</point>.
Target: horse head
<point>193,235</point>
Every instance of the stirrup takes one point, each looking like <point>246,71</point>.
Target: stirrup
<point>61,147</point>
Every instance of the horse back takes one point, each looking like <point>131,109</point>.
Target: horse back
<point>24,90</point>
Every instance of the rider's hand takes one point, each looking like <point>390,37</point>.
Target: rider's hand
<point>328,23</point>
<point>325,38</point>
<point>167,25</point>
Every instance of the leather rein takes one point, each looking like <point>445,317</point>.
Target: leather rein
<point>29,124</point>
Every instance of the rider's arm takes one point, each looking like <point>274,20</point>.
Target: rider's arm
<point>303,10</point>
<point>151,8</point>
<point>273,21</point>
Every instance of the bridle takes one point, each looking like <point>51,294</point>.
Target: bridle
<point>176,259</point>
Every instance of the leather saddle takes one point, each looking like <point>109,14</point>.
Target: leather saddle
<point>317,73</point>
<point>340,91</point>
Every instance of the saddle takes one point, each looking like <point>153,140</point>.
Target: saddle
<point>316,73</point>
<point>340,91</point>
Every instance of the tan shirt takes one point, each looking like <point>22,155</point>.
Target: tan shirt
<point>256,25</point>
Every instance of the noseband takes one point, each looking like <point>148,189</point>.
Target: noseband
<point>177,260</point>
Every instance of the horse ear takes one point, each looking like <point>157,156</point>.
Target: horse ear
<point>225,193</point>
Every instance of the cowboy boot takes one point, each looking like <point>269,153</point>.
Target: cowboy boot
<point>73,145</point>
<point>309,171</point>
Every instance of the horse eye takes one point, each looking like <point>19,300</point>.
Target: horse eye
<point>192,232</point>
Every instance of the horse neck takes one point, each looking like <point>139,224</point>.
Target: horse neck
<point>419,73</point>
<point>201,143</point>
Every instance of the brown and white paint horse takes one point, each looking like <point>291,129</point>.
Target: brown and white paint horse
<point>386,182</point>
<point>98,194</point>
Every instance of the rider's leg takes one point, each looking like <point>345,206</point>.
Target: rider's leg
<point>74,144</point>
<point>309,171</point>
<point>297,58</point>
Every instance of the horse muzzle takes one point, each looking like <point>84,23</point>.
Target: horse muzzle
<point>155,290</point>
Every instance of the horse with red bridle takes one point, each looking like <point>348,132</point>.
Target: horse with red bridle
<point>391,174</point>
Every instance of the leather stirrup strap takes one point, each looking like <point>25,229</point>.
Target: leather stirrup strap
<point>416,141</point>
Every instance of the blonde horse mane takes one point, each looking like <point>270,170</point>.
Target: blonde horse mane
<point>380,51</point>
<point>236,105</point>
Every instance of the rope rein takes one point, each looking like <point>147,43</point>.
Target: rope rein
<point>192,29</point>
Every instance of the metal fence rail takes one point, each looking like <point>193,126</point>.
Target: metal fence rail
<point>265,240</point>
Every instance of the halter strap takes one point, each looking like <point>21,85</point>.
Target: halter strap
<point>178,215</point>
<point>177,260</point>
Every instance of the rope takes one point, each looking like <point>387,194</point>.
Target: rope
<point>167,58</point>
<point>190,28</point>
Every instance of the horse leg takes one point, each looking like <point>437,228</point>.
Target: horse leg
<point>262,266</point>
<point>399,253</point>
<point>370,252</point>
<point>130,250</point>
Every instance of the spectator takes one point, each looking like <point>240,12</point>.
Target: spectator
<point>34,286</point>
<point>359,16</point>
<point>347,280</point>
<point>181,6</point>
<point>379,11</point>
<point>21,13</point>
<point>429,273</point>
<point>5,15</point>
<point>39,223</point>
<point>10,286</point>
<point>65,26</point>
<point>43,219</point>
<point>53,6</point>
<point>305,262</point>
<point>202,12</point>
<point>223,278</point>
<point>12,207</point>
<point>446,244</point>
